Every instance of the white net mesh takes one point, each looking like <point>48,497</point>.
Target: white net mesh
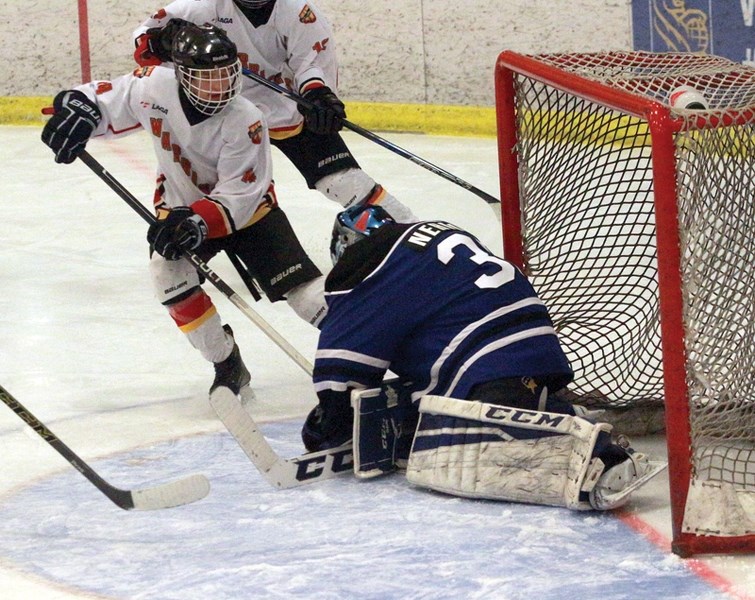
<point>588,226</point>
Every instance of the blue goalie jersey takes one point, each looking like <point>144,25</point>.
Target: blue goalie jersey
<point>430,303</point>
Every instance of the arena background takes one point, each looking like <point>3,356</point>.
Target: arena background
<point>414,65</point>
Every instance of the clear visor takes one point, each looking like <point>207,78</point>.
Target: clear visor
<point>210,90</point>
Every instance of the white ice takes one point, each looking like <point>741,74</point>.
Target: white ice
<point>86,347</point>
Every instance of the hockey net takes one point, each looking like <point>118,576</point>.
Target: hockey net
<point>636,223</point>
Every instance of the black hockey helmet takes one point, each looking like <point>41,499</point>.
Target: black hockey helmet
<point>202,47</point>
<point>207,66</point>
<point>355,224</point>
<point>253,3</point>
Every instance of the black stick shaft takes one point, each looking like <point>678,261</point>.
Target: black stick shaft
<point>200,265</point>
<point>378,140</point>
<point>120,497</point>
<point>145,214</point>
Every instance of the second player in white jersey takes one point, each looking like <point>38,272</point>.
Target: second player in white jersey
<point>289,42</point>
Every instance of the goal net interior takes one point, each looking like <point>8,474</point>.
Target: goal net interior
<point>635,221</point>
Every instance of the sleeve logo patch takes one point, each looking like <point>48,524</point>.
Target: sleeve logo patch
<point>255,132</point>
<point>306,15</point>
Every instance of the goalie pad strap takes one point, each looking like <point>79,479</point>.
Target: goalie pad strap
<point>479,450</point>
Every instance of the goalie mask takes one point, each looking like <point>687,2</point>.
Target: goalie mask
<point>354,224</point>
<point>207,67</point>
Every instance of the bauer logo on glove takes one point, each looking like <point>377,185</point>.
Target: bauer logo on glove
<point>176,231</point>
<point>74,120</point>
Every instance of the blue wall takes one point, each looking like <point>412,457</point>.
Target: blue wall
<point>722,27</point>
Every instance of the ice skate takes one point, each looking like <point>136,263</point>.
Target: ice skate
<point>231,372</point>
<point>616,485</point>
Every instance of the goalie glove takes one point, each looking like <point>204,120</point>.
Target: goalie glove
<point>154,46</point>
<point>327,112</point>
<point>176,231</point>
<point>68,130</point>
<point>329,424</point>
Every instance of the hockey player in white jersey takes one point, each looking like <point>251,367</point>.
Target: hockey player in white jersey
<point>430,303</point>
<point>291,43</point>
<point>214,184</point>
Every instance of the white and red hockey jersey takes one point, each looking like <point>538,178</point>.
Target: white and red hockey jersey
<point>221,166</point>
<point>294,48</point>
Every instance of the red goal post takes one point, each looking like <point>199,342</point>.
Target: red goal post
<point>635,221</point>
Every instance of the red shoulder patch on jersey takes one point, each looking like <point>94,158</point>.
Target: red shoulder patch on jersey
<point>255,132</point>
<point>102,87</point>
<point>306,15</point>
<point>156,125</point>
<point>160,14</point>
<point>143,71</point>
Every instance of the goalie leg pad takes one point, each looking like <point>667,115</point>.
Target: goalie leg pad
<point>384,424</point>
<point>478,450</point>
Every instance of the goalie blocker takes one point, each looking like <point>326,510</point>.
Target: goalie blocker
<point>478,450</point>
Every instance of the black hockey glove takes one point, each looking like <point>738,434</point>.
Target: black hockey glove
<point>69,129</point>
<point>325,429</point>
<point>327,114</point>
<point>154,45</point>
<point>177,231</point>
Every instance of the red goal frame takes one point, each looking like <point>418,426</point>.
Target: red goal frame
<point>663,125</point>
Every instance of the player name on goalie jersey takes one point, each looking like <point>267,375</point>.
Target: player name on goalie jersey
<point>427,232</point>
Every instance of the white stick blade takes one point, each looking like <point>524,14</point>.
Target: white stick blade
<point>175,493</point>
<point>243,428</point>
<point>279,472</point>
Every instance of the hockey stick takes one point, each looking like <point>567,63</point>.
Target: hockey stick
<point>495,202</point>
<point>282,473</point>
<point>175,493</point>
<point>200,265</point>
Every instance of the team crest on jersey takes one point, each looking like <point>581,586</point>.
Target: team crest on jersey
<point>255,132</point>
<point>143,71</point>
<point>530,384</point>
<point>306,15</point>
<point>102,87</point>
<point>249,177</point>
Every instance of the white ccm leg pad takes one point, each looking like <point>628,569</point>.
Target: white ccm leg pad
<point>477,450</point>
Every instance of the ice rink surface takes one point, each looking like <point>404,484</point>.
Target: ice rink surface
<point>88,349</point>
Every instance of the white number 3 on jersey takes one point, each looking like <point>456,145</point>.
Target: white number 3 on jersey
<point>480,256</point>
